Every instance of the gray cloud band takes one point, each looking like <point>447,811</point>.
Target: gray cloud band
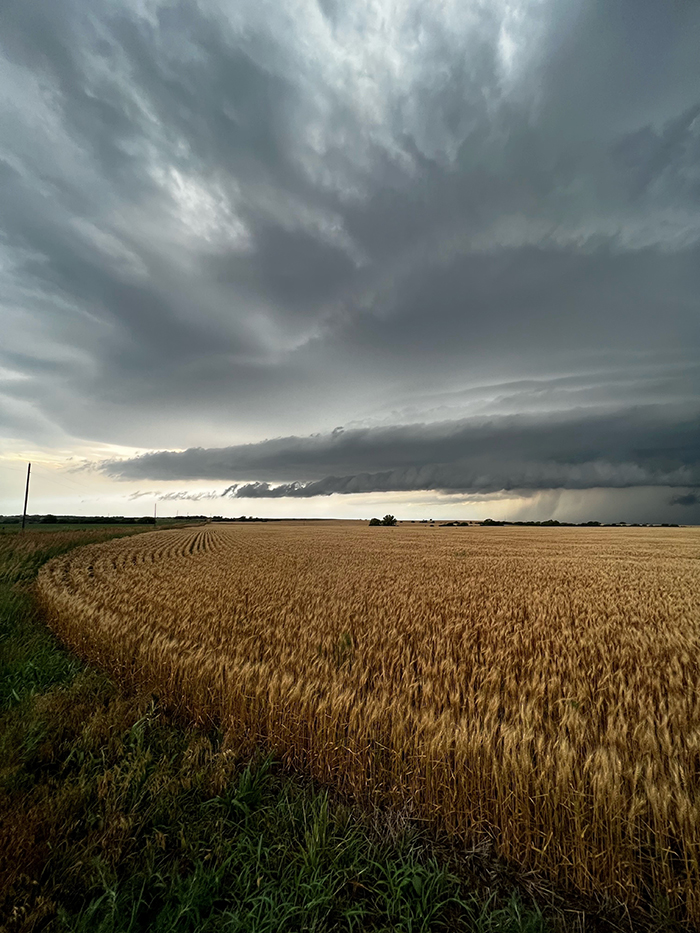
<point>645,446</point>
<point>455,478</point>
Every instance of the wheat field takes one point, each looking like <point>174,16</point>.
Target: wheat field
<point>534,687</point>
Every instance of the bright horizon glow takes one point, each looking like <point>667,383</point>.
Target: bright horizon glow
<point>58,491</point>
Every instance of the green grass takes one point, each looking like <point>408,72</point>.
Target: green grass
<point>16,528</point>
<point>116,819</point>
<point>122,821</point>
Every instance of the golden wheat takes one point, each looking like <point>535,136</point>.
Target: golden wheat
<point>538,686</point>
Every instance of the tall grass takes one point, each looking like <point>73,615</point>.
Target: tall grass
<point>534,687</point>
<point>114,819</point>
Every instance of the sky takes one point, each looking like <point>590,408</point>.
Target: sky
<point>323,258</point>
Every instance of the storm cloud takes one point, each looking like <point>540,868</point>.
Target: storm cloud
<point>643,446</point>
<point>469,233</point>
<point>687,499</point>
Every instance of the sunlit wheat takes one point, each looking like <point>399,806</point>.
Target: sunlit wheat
<point>538,686</point>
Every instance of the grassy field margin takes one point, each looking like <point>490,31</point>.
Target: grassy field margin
<point>115,818</point>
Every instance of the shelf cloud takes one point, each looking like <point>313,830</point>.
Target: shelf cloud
<point>642,446</point>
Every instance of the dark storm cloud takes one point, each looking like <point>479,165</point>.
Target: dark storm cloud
<point>688,499</point>
<point>222,219</point>
<point>646,446</point>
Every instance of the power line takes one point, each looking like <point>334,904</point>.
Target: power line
<point>45,474</point>
<point>18,469</point>
<point>48,475</point>
<point>48,472</point>
<point>62,482</point>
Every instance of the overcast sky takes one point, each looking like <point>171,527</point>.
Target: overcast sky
<point>317,257</point>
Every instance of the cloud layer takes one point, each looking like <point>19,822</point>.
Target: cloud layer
<point>225,222</point>
<point>643,446</point>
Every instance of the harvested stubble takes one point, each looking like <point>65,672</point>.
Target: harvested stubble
<point>540,686</point>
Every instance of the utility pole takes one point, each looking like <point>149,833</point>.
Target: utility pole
<point>155,506</point>
<point>26,496</point>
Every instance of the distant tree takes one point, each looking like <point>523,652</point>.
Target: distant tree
<point>388,520</point>
<point>374,521</point>
<point>49,520</point>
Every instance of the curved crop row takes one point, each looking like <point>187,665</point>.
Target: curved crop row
<point>536,686</point>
